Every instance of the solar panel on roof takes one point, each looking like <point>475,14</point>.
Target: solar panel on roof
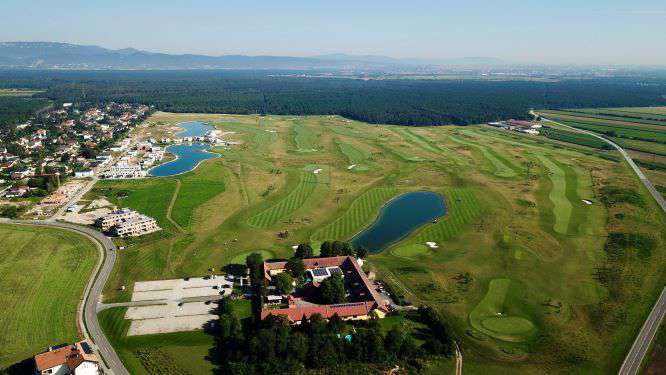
<point>347,305</point>
<point>320,272</point>
<point>86,348</point>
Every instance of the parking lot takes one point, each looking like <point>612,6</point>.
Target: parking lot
<point>180,304</point>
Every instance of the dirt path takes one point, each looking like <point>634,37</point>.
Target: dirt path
<point>170,208</point>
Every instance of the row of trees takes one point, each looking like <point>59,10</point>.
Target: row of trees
<point>330,249</point>
<point>273,346</point>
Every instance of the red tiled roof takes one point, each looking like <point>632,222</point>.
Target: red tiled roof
<point>520,123</point>
<point>343,310</point>
<point>326,311</point>
<point>71,355</point>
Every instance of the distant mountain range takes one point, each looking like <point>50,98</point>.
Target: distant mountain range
<point>50,55</point>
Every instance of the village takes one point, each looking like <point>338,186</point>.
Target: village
<point>48,163</point>
<point>52,156</point>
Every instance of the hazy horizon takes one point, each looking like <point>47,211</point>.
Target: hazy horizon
<point>530,32</point>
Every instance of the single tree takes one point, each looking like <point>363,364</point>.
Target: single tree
<point>283,282</point>
<point>326,249</point>
<point>347,249</point>
<point>304,251</point>
<point>296,267</point>
<point>332,290</point>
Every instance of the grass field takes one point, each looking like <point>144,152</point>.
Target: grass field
<point>515,212</point>
<point>304,138</point>
<point>42,276</point>
<point>562,205</point>
<point>19,92</point>
<point>491,315</point>
<point>360,213</point>
<point>287,206</point>
<point>171,353</point>
<point>500,166</point>
<point>641,131</point>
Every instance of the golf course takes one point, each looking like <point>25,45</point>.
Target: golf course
<point>525,263</point>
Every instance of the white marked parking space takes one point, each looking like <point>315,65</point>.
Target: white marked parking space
<point>173,312</point>
<point>176,289</point>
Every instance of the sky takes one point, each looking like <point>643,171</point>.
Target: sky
<point>528,31</point>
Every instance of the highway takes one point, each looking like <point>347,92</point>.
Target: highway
<point>638,351</point>
<point>87,312</point>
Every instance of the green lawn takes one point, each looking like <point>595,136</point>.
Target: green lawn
<point>562,206</point>
<point>287,206</point>
<point>563,311</point>
<point>304,138</point>
<point>501,167</point>
<point>42,276</point>
<point>361,212</point>
<point>171,353</point>
<point>492,317</point>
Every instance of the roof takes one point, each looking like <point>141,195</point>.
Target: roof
<point>326,311</point>
<point>70,355</point>
<point>521,123</point>
<point>348,265</point>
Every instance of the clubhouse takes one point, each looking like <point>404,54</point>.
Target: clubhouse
<point>362,299</point>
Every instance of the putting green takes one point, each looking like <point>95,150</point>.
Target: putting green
<point>489,315</point>
<point>411,251</point>
<point>240,258</point>
<point>562,207</point>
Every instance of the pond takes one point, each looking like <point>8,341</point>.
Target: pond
<point>399,218</point>
<point>194,129</point>
<point>187,156</point>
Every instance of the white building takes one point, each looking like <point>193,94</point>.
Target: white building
<point>84,173</point>
<point>126,222</point>
<point>114,218</point>
<point>75,359</point>
<point>125,170</point>
<point>136,226</point>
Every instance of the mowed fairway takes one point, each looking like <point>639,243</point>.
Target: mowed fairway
<point>500,166</point>
<point>463,208</point>
<point>304,138</point>
<point>562,206</point>
<point>288,205</point>
<point>359,214</point>
<point>42,276</point>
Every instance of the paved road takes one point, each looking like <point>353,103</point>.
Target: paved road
<point>638,351</point>
<point>87,314</point>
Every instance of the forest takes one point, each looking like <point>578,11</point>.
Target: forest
<point>395,101</point>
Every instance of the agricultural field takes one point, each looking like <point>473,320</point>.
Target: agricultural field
<point>641,131</point>
<point>526,260</point>
<point>42,276</point>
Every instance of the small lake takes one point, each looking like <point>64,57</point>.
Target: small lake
<point>399,218</point>
<point>194,129</point>
<point>187,156</point>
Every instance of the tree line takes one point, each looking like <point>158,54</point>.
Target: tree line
<point>391,101</point>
